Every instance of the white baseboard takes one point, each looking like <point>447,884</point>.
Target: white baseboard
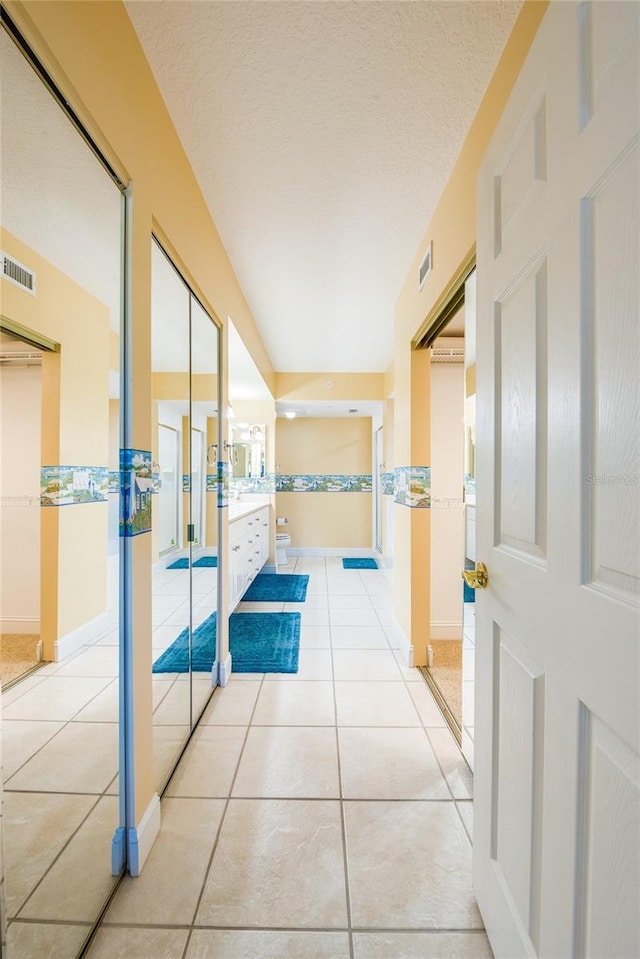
<point>26,625</point>
<point>142,837</point>
<point>451,630</point>
<point>82,636</point>
<point>350,551</point>
<point>224,670</point>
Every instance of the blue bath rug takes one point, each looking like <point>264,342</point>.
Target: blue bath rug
<point>175,659</point>
<point>259,643</point>
<point>468,594</point>
<point>277,588</point>
<point>359,563</point>
<point>264,642</point>
<point>183,562</point>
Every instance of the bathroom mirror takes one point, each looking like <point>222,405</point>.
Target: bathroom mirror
<point>247,450</point>
<point>59,513</point>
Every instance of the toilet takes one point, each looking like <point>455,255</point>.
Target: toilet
<point>282,541</point>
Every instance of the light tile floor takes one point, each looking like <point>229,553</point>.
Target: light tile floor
<point>60,764</point>
<point>324,815</point>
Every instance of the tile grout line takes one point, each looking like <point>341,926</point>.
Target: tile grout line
<point>343,824</point>
<point>222,820</point>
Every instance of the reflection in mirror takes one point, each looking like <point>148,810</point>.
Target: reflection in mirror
<point>247,450</point>
<point>184,350</point>
<point>61,222</point>
<point>171,581</point>
<point>204,505</point>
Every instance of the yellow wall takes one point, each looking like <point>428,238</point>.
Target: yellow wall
<point>75,432</point>
<point>318,445</point>
<point>453,231</point>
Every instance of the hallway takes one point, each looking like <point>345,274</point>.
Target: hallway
<point>325,814</point>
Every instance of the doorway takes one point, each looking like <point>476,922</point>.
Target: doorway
<point>450,652</point>
<point>20,401</point>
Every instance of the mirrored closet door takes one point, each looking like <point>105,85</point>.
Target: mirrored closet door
<point>184,351</point>
<point>59,513</point>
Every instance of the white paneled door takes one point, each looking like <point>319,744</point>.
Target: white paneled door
<point>557,754</point>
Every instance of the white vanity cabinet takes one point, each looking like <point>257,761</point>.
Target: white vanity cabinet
<point>248,550</point>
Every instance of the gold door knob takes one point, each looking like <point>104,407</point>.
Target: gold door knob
<point>477,578</point>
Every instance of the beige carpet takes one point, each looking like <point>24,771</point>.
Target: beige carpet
<point>447,673</point>
<point>19,653</point>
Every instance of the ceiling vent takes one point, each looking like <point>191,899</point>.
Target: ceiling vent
<point>426,266</point>
<point>18,273</point>
<point>448,349</point>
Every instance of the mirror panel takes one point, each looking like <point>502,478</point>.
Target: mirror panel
<point>59,513</point>
<point>171,579</point>
<point>204,502</point>
<point>247,450</point>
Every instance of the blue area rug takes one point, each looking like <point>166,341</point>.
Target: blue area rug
<point>183,562</point>
<point>359,563</point>
<point>264,642</point>
<point>277,588</point>
<point>175,659</point>
<point>468,594</point>
<point>259,643</point>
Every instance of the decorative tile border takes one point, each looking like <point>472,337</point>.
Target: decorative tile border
<point>324,483</point>
<point>212,483</point>
<point>387,484</point>
<point>156,481</point>
<point>114,482</point>
<point>136,484</point>
<point>413,486</point>
<point>186,483</point>
<point>223,483</point>
<point>254,484</point>
<point>469,483</point>
<point>72,485</point>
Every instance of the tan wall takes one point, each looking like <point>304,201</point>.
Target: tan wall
<point>317,445</point>
<point>453,231</point>
<point>75,432</point>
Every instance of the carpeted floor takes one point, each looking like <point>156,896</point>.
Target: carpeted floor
<point>447,672</point>
<point>19,653</point>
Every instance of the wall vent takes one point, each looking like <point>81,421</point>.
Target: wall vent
<point>448,349</point>
<point>18,273</point>
<point>426,266</point>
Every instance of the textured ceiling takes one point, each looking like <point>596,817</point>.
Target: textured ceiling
<point>322,135</point>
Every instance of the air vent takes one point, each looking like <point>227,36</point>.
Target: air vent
<point>24,358</point>
<point>426,266</point>
<point>448,349</point>
<point>18,273</point>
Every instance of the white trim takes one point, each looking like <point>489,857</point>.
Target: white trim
<point>224,670</point>
<point>143,836</point>
<point>446,630</point>
<point>82,636</point>
<point>28,625</point>
<point>365,551</point>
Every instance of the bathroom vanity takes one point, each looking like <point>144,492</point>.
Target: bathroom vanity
<point>248,546</point>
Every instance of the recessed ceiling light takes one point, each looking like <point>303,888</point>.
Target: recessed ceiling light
<point>290,414</point>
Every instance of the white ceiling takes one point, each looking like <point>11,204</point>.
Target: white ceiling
<point>322,135</point>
